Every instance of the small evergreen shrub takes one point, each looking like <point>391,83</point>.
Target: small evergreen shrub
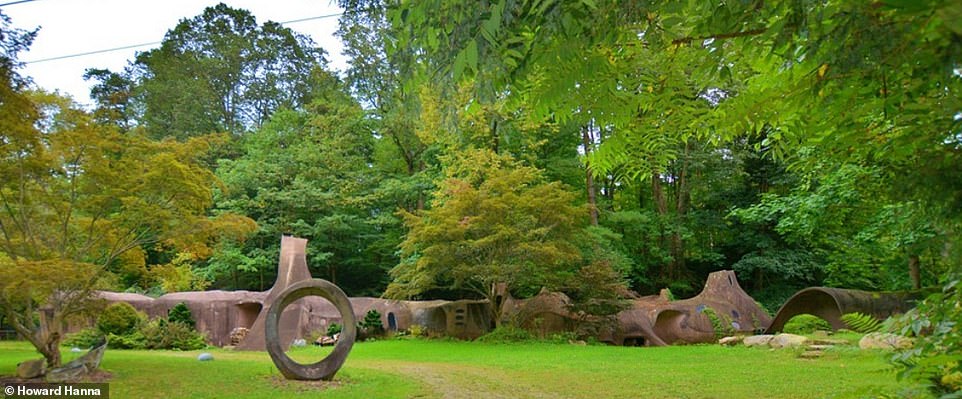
<point>132,340</point>
<point>806,324</point>
<point>372,323</point>
<point>119,318</point>
<point>180,313</point>
<point>85,338</point>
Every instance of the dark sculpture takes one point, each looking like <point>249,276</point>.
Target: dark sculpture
<point>327,367</point>
<point>831,303</point>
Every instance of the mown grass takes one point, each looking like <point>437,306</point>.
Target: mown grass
<point>448,369</point>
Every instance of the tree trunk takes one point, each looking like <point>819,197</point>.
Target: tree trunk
<point>915,272</point>
<point>589,179</point>
<point>681,210</point>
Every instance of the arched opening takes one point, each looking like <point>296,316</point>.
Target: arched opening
<point>634,341</point>
<point>247,313</point>
<point>391,321</point>
<point>668,326</point>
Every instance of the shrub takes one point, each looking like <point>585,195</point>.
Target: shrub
<point>417,330</point>
<point>372,323</point>
<point>85,338</point>
<point>332,329</point>
<point>507,334</point>
<point>132,340</point>
<point>161,334</point>
<point>180,313</point>
<point>119,318</point>
<point>806,324</point>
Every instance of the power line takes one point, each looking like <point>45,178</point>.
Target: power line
<point>15,2</point>
<point>61,57</point>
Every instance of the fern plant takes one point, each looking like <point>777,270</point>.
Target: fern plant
<point>861,322</point>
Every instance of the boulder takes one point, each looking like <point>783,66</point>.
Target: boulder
<point>299,343</point>
<point>787,341</point>
<point>758,340</point>
<point>205,357</point>
<point>730,341</point>
<point>32,368</point>
<point>76,350</point>
<point>885,341</point>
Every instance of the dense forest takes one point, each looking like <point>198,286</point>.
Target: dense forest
<point>593,147</point>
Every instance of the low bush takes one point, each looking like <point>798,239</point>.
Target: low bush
<point>85,338</point>
<point>806,324</point>
<point>119,318</point>
<point>507,334</point>
<point>163,334</point>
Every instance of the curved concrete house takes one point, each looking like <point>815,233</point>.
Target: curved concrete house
<point>650,321</point>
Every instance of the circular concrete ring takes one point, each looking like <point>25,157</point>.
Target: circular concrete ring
<point>327,367</point>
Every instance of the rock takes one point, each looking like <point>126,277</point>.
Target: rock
<point>82,366</point>
<point>811,354</point>
<point>205,357</point>
<point>886,341</point>
<point>820,334</point>
<point>730,341</point>
<point>32,368</point>
<point>819,347</point>
<point>577,342</point>
<point>299,343</point>
<point>325,340</point>
<point>787,341</point>
<point>76,350</point>
<point>758,340</point>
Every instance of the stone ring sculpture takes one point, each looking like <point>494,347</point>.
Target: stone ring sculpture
<point>327,367</point>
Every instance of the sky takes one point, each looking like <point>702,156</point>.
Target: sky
<point>69,27</point>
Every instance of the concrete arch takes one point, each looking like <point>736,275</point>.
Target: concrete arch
<point>831,303</point>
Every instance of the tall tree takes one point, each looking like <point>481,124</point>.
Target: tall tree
<point>221,71</point>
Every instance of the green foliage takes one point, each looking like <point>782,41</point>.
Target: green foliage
<point>119,318</point>
<point>806,324</point>
<point>161,334</point>
<point>180,313</point>
<point>507,334</point>
<point>861,323</point>
<point>131,340</point>
<point>221,71</point>
<point>333,329</point>
<point>493,222</point>
<point>720,324</point>
<point>371,324</point>
<point>936,359</point>
<point>85,338</point>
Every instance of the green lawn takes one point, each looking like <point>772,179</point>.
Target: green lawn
<point>445,369</point>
